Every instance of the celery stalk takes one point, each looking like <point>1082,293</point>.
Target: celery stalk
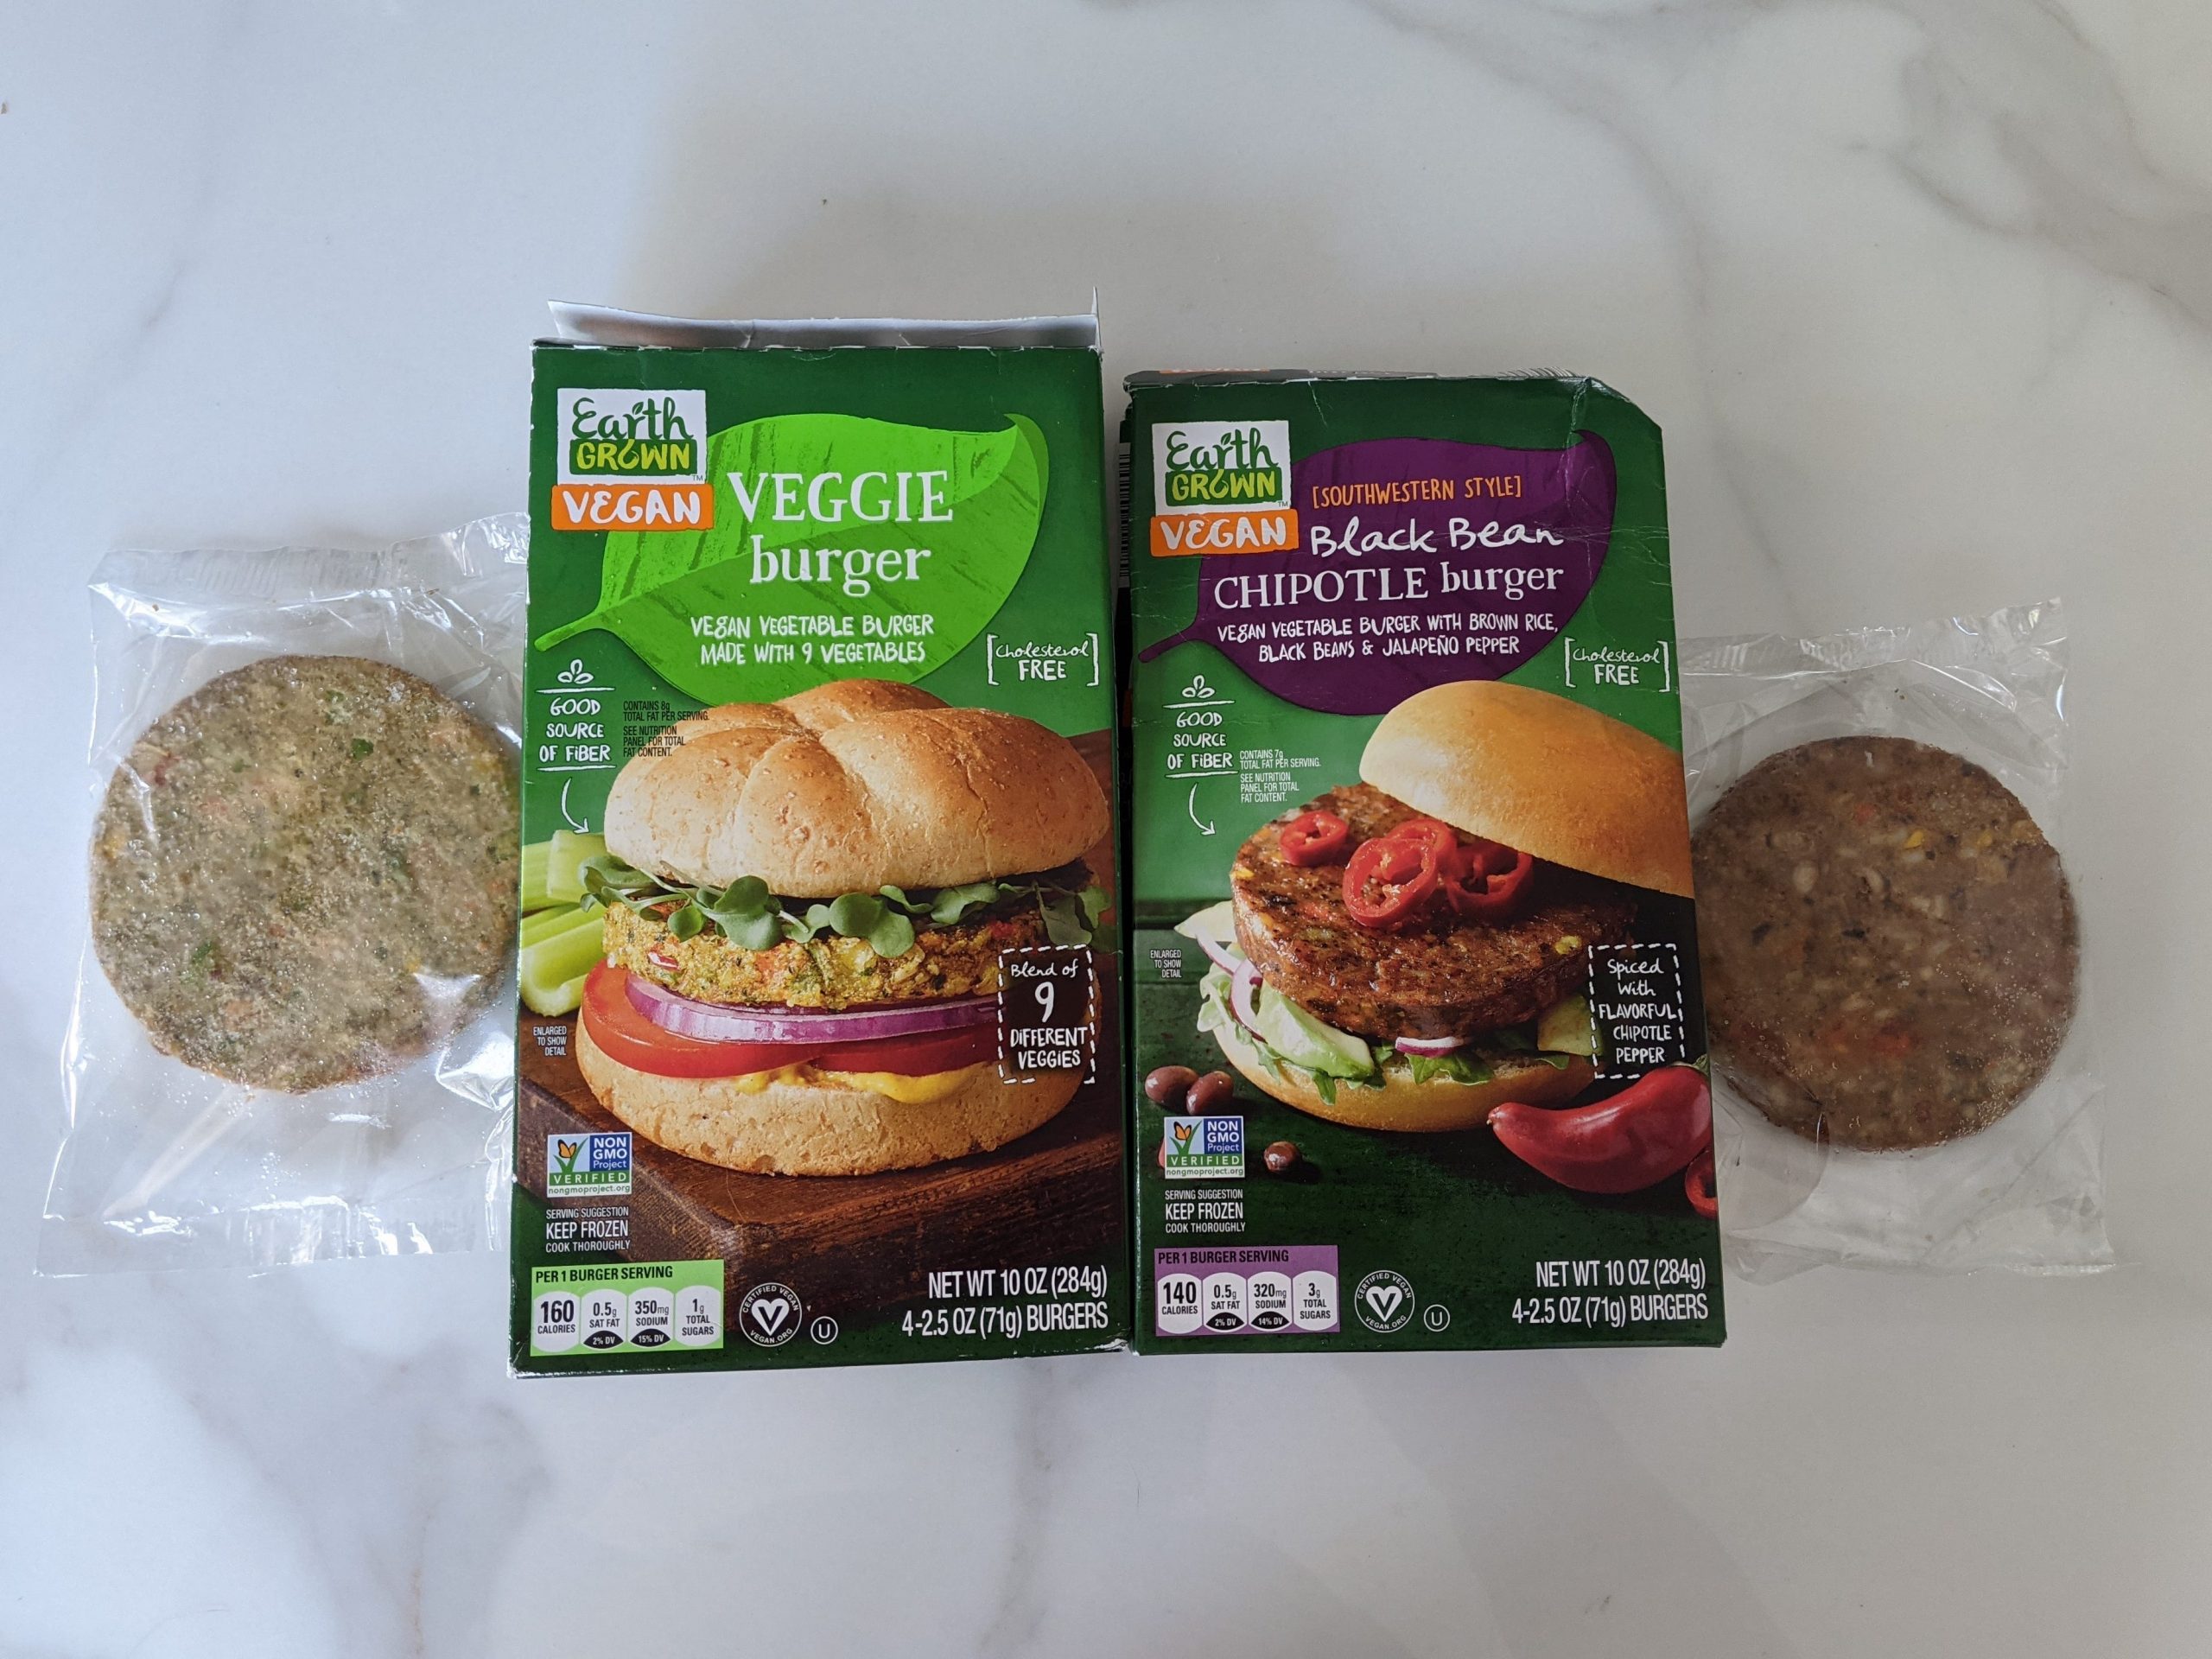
<point>534,865</point>
<point>564,876</point>
<point>545,922</point>
<point>555,963</point>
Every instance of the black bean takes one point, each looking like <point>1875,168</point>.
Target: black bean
<point>1168,1084</point>
<point>1208,1092</point>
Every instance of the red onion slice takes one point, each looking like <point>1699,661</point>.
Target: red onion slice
<point>1220,956</point>
<point>1243,995</point>
<point>1430,1047</point>
<point>723,1023</point>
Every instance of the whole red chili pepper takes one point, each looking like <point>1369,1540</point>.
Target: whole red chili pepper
<point>1622,1144</point>
<point>1703,1188</point>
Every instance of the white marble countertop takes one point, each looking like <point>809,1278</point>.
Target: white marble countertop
<point>1921,292</point>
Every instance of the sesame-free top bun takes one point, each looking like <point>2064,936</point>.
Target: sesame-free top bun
<point>1543,775</point>
<point>816,1123</point>
<point>850,785</point>
<point>1436,1107</point>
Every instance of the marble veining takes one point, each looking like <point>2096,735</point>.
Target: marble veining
<point>1919,290</point>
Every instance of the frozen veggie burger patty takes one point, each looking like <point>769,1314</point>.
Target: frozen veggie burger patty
<point>1888,939</point>
<point>809,906</point>
<point>305,872</point>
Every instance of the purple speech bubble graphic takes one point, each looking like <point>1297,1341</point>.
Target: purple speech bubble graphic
<point>1418,561</point>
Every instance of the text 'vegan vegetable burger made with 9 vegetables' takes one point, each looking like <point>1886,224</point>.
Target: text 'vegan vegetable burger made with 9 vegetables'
<point>1412,950</point>
<point>806,904</point>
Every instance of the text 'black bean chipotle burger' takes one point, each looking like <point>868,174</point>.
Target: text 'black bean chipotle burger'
<point>1411,951</point>
<point>807,904</point>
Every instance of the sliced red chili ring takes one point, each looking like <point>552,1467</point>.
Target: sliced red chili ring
<point>1490,892</point>
<point>1435,832</point>
<point>1314,836</point>
<point>1388,879</point>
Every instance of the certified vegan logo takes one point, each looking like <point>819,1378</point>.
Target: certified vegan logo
<point>771,1314</point>
<point>588,1166</point>
<point>1384,1300</point>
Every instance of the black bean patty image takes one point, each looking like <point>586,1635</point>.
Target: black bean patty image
<point>1889,943</point>
<point>306,872</point>
<point>1443,976</point>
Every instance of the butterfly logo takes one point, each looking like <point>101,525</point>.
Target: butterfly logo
<point>567,1151</point>
<point>1181,1133</point>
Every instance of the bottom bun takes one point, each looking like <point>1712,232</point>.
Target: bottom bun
<point>818,1126</point>
<point>1401,1104</point>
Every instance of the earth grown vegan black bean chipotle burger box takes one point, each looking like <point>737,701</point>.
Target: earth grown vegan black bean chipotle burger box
<point>817,1036</point>
<point>1418,1039</point>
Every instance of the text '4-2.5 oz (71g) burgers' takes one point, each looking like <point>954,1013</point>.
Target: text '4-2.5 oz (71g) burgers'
<point>807,904</point>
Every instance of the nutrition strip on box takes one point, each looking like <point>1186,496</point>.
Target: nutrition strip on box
<point>819,997</point>
<point>1417,1021</point>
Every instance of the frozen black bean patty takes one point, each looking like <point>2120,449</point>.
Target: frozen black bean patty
<point>1889,943</point>
<point>306,872</point>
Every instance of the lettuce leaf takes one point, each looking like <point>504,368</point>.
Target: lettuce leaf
<point>752,917</point>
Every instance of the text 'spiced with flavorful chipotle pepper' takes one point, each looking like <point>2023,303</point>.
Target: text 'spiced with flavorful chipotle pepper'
<point>819,1060</point>
<point>1415,973</point>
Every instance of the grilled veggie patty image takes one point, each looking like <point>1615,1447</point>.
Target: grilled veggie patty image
<point>1412,950</point>
<point>808,905</point>
<point>305,872</point>
<point>1889,943</point>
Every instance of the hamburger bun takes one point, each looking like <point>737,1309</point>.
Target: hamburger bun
<point>1414,1107</point>
<point>1542,774</point>
<point>818,1126</point>
<point>851,785</point>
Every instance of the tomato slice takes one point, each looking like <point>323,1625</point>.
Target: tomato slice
<point>914,1057</point>
<point>629,1039</point>
<point>1389,879</point>
<point>1314,836</point>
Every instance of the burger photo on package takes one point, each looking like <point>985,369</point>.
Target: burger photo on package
<point>1411,951</point>
<point>806,906</point>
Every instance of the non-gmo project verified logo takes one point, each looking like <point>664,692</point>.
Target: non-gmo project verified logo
<point>1204,1148</point>
<point>588,1166</point>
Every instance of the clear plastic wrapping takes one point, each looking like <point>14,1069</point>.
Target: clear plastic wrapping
<point>165,1167</point>
<point>2027,1191</point>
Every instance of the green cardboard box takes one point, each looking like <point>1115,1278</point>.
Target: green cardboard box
<point>818,1039</point>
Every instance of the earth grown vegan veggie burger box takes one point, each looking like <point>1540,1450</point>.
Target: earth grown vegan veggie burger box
<point>819,996</point>
<point>1414,967</point>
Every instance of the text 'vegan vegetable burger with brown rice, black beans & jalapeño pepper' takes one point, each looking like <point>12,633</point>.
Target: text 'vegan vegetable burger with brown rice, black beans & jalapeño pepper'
<point>1409,951</point>
<point>807,902</point>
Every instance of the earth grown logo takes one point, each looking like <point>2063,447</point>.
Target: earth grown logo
<point>1214,464</point>
<point>614,434</point>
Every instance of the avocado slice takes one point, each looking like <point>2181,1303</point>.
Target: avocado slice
<point>1304,1041</point>
<point>1567,1028</point>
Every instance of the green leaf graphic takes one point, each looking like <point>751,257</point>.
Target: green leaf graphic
<point>652,585</point>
